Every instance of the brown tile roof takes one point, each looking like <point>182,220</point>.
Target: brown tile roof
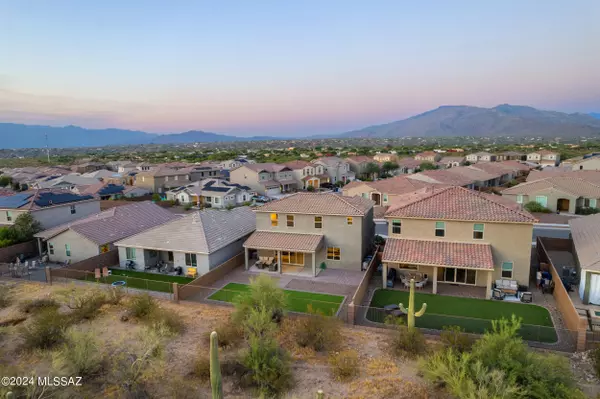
<point>379,211</point>
<point>360,159</point>
<point>475,174</point>
<point>593,176</point>
<point>294,165</point>
<point>398,185</point>
<point>444,176</point>
<point>284,241</point>
<point>458,203</point>
<point>319,204</point>
<point>408,162</point>
<point>438,253</point>
<point>570,185</point>
<point>426,154</point>
<point>267,167</point>
<point>586,236</point>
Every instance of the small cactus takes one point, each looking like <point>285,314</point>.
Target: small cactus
<point>411,306</point>
<point>215,368</point>
<point>320,394</point>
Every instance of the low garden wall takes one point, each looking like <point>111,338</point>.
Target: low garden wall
<point>107,259</point>
<point>9,254</point>
<point>207,279</point>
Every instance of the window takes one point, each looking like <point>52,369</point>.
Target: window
<point>166,178</point>
<point>385,198</point>
<point>478,231</point>
<point>318,222</point>
<point>349,220</point>
<point>542,200</point>
<point>170,256</point>
<point>216,200</point>
<point>592,202</point>
<point>8,216</point>
<point>130,253</point>
<point>507,269</point>
<point>190,260</point>
<point>586,202</point>
<point>51,248</point>
<point>274,220</point>
<point>365,195</point>
<point>73,210</point>
<point>396,227</point>
<point>457,276</point>
<point>334,253</point>
<point>292,258</point>
<point>440,229</point>
<point>176,177</point>
<point>519,199</point>
<point>68,249</point>
<point>290,220</point>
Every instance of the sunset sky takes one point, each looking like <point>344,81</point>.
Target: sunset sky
<point>289,68</point>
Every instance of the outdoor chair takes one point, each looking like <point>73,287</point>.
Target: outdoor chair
<point>497,294</point>
<point>419,284</point>
<point>527,297</point>
<point>33,265</point>
<point>192,273</point>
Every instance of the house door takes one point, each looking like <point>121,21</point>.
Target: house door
<point>563,205</point>
<point>377,198</point>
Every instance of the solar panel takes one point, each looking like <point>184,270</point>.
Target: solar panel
<point>47,199</point>
<point>14,201</point>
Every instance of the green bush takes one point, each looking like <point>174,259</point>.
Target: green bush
<point>318,331</point>
<point>35,305</point>
<point>268,366</point>
<point>454,337</point>
<point>45,331</point>
<point>536,207</point>
<point>115,295</point>
<point>79,355</point>
<point>188,206</point>
<point>408,342</point>
<point>344,365</point>
<point>263,293</point>
<point>88,306</point>
<point>586,211</point>
<point>142,306</point>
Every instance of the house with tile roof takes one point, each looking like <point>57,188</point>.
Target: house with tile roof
<point>558,193</point>
<point>585,233</point>
<point>589,163</point>
<point>308,232</point>
<point>337,168</point>
<point>215,193</point>
<point>199,241</point>
<point>481,157</point>
<point>461,237</point>
<point>511,156</point>
<point>267,178</point>
<point>95,234</point>
<point>307,174</point>
<point>358,164</point>
<point>451,162</point>
<point>161,179</point>
<point>428,156</point>
<point>386,191</point>
<point>544,157</point>
<point>444,176</point>
<point>385,157</point>
<point>408,165</point>
<point>50,207</point>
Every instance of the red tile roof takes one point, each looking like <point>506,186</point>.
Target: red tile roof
<point>458,203</point>
<point>319,204</point>
<point>444,176</point>
<point>438,253</point>
<point>284,241</point>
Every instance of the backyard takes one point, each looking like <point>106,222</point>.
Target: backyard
<point>141,280</point>
<point>297,301</point>
<point>473,315</point>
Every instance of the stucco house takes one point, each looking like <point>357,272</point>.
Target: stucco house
<point>307,174</point>
<point>161,179</point>
<point>307,232</point>
<point>265,178</point>
<point>428,156</point>
<point>49,207</point>
<point>461,237</point>
<point>197,242</point>
<point>358,164</point>
<point>336,168</point>
<point>544,157</point>
<point>385,157</point>
<point>451,162</point>
<point>95,234</point>
<point>511,156</point>
<point>386,191</point>
<point>590,163</point>
<point>481,157</point>
<point>444,176</point>
<point>216,193</point>
<point>585,233</point>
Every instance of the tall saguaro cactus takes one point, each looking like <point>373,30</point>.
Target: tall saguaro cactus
<point>411,306</point>
<point>215,368</point>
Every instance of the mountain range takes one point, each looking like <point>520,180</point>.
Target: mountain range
<point>445,121</point>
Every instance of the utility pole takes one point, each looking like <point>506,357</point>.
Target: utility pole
<point>47,148</point>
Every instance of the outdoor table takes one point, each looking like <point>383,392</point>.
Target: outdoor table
<point>389,308</point>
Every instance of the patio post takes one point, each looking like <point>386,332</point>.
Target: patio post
<point>279,261</point>
<point>314,264</point>
<point>488,289</point>
<point>246,257</point>
<point>384,272</point>
<point>434,290</point>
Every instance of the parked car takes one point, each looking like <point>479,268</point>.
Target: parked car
<point>327,185</point>
<point>391,278</point>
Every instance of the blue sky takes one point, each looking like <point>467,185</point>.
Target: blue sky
<point>289,68</point>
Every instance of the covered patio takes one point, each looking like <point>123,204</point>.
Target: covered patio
<point>292,253</point>
<point>447,267</point>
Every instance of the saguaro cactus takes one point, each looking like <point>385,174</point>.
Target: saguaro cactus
<point>411,306</point>
<point>215,368</point>
<point>320,394</point>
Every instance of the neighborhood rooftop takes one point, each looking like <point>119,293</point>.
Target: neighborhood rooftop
<point>566,184</point>
<point>586,239</point>
<point>38,199</point>
<point>319,204</point>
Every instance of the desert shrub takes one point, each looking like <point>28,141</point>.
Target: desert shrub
<point>268,366</point>
<point>35,305</point>
<point>170,323</point>
<point>45,331</point>
<point>229,333</point>
<point>115,295</point>
<point>344,365</point>
<point>318,331</point>
<point>536,207</point>
<point>201,367</point>
<point>5,298</point>
<point>187,206</point>
<point>408,342</point>
<point>83,303</point>
<point>454,337</point>
<point>142,306</point>
<point>79,355</point>
<point>595,354</point>
<point>263,293</point>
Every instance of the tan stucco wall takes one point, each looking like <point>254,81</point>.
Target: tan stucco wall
<point>552,199</point>
<point>145,181</point>
<point>511,242</point>
<point>588,164</point>
<point>81,247</point>
<point>14,213</point>
<point>358,190</point>
<point>246,177</point>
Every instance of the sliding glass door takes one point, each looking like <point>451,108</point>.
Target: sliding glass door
<point>456,276</point>
<point>292,258</point>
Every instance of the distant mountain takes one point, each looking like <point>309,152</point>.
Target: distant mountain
<point>503,120</point>
<point>595,115</point>
<point>14,135</point>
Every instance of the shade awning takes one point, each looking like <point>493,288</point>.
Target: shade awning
<point>284,241</point>
<point>439,253</point>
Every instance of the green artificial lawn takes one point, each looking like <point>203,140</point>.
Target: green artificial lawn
<point>142,280</point>
<point>473,315</point>
<point>297,301</point>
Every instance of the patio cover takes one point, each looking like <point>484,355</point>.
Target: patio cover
<point>293,242</point>
<point>439,253</point>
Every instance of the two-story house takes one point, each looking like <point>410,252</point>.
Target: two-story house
<point>386,192</point>
<point>161,179</point>
<point>359,163</point>
<point>481,157</point>
<point>544,158</point>
<point>308,232</point>
<point>336,168</point>
<point>307,174</point>
<point>264,178</point>
<point>428,156</point>
<point>215,193</point>
<point>511,156</point>
<point>451,162</point>
<point>382,157</point>
<point>461,237</point>
<point>235,163</point>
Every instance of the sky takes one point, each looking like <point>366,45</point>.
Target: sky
<point>289,68</point>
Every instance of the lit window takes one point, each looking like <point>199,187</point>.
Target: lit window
<point>73,210</point>
<point>396,226</point>
<point>190,260</point>
<point>440,229</point>
<point>507,269</point>
<point>274,220</point>
<point>478,231</point>
<point>334,253</point>
<point>68,249</point>
<point>318,222</point>
<point>349,220</point>
<point>290,220</point>
<point>130,253</point>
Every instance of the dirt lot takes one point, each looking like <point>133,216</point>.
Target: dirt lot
<point>170,375</point>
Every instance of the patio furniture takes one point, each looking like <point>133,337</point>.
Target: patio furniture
<point>397,313</point>
<point>105,271</point>
<point>508,287</point>
<point>130,264</point>
<point>419,284</point>
<point>273,267</point>
<point>390,308</point>
<point>497,294</point>
<point>527,297</point>
<point>391,278</point>
<point>33,265</point>
<point>192,272</point>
